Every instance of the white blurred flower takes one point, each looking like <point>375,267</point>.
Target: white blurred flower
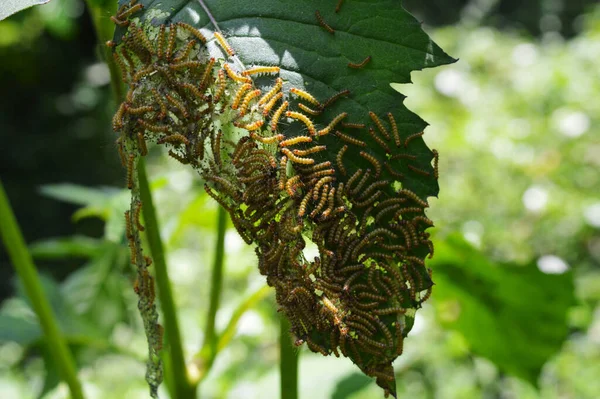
<point>450,82</point>
<point>592,214</point>
<point>524,54</point>
<point>233,241</point>
<point>551,264</point>
<point>535,199</point>
<point>472,231</point>
<point>97,74</point>
<point>251,324</point>
<point>571,123</point>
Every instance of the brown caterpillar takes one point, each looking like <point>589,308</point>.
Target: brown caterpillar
<point>361,64</point>
<point>323,23</point>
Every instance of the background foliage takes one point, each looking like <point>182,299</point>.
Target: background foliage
<point>516,124</point>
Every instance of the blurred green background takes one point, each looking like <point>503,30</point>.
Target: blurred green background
<point>515,312</point>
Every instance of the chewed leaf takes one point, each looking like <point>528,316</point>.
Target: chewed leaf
<point>286,112</point>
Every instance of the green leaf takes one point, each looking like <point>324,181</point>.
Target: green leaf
<point>514,315</point>
<point>291,35</point>
<point>287,34</point>
<point>70,323</point>
<point>76,194</point>
<point>21,329</point>
<point>82,287</point>
<point>349,385</point>
<point>75,246</point>
<point>106,203</point>
<point>10,7</point>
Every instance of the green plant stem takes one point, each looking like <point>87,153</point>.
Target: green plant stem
<point>21,259</point>
<point>183,388</point>
<point>104,28</point>
<point>207,354</point>
<point>288,362</point>
<point>216,283</point>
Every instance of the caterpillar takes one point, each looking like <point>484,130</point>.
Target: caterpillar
<point>361,64</point>
<point>235,76</point>
<point>335,97</point>
<point>305,95</point>
<point>322,22</point>
<point>246,103</point>
<point>142,144</point>
<point>271,93</point>
<point>171,41</point>
<point>436,159</point>
<point>373,161</point>
<point>249,126</point>
<point>338,159</point>
<point>332,124</point>
<point>268,106</point>
<point>304,119</point>
<point>223,43</point>
<point>261,70</point>
<point>195,32</point>
<point>394,129</point>
<point>308,110</point>
<point>207,74</point>
<point>295,140</point>
<point>238,95</point>
<point>379,125</point>
<point>350,140</point>
<point>417,170</point>
<point>353,125</point>
<point>277,115</point>
<point>290,155</point>
<point>411,138</point>
<point>379,140</point>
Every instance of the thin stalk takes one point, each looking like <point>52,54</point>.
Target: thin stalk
<point>248,303</point>
<point>203,364</point>
<point>183,388</point>
<point>208,352</point>
<point>21,259</point>
<point>288,362</point>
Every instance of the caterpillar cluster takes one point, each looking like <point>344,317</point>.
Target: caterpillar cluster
<point>357,298</point>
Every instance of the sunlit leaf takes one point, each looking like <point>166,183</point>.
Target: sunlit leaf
<point>10,7</point>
